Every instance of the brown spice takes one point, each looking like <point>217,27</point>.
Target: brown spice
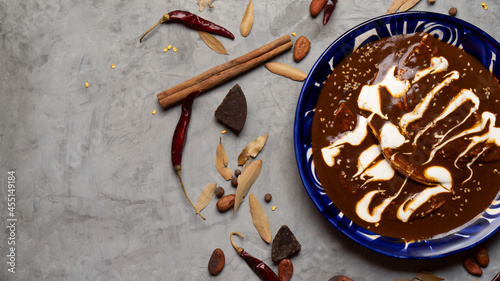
<point>453,11</point>
<point>285,269</point>
<point>316,6</point>
<point>481,256</point>
<point>301,48</point>
<point>268,197</point>
<point>216,262</point>
<point>225,203</point>
<point>472,267</point>
<point>219,192</point>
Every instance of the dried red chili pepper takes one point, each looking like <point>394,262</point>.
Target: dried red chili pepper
<point>264,272</point>
<point>179,139</point>
<point>192,21</point>
<point>329,7</point>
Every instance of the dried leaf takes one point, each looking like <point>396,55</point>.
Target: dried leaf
<point>252,149</point>
<point>245,182</point>
<point>259,218</point>
<point>205,197</point>
<point>204,3</point>
<point>286,71</point>
<point>408,4</point>
<point>221,161</point>
<point>427,276</point>
<point>247,21</point>
<point>212,42</point>
<point>395,6</point>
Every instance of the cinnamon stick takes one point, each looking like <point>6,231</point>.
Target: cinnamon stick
<point>220,74</point>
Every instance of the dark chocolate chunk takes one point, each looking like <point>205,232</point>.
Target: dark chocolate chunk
<point>232,112</point>
<point>285,245</point>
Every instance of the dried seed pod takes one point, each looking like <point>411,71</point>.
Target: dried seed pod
<point>301,48</point>
<point>252,149</point>
<point>205,197</point>
<point>472,267</point>
<point>481,256</point>
<point>245,182</point>
<point>247,21</point>
<point>316,6</point>
<point>286,71</point>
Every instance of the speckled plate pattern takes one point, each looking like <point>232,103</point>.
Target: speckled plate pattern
<point>451,30</point>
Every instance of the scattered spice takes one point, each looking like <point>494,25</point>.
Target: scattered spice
<point>328,10</point>
<point>191,21</point>
<point>221,161</point>
<point>205,197</point>
<point>285,269</point>
<point>179,140</point>
<point>472,267</point>
<point>316,7</point>
<point>273,208</point>
<point>174,49</point>
<point>340,278</point>
<point>234,182</point>
<point>216,262</point>
<point>165,50</point>
<point>247,20</point>
<point>113,66</point>
<point>223,131</point>
<point>153,112</point>
<point>237,172</point>
<point>294,34</point>
<point>259,218</point>
<point>268,197</point>
<point>481,256</point>
<point>262,270</point>
<point>453,11</point>
<point>252,149</point>
<point>285,245</point>
<point>246,180</point>
<point>204,3</point>
<point>212,42</point>
<point>301,48</point>
<point>87,84</point>
<point>169,47</point>
<point>225,203</point>
<point>219,191</point>
<point>484,6</point>
<point>286,71</point>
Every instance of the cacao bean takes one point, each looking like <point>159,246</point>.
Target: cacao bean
<point>340,278</point>
<point>216,262</point>
<point>481,256</point>
<point>316,7</point>
<point>285,269</point>
<point>301,48</point>
<point>225,203</point>
<point>472,267</point>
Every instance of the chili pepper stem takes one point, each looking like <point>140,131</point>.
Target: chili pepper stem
<point>178,171</point>
<point>238,249</point>
<point>163,19</point>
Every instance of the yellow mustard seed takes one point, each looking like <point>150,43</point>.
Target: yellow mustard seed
<point>224,131</point>
<point>294,34</point>
<point>113,66</point>
<point>165,50</point>
<point>273,208</point>
<point>169,47</point>
<point>153,112</point>
<point>87,84</point>
<point>484,6</point>
<point>175,49</point>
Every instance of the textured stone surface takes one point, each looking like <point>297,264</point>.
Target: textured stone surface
<point>97,198</point>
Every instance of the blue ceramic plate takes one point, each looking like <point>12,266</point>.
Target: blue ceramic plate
<point>451,30</point>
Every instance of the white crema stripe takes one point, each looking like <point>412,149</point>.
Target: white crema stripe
<point>420,109</point>
<point>390,137</point>
<point>354,138</point>
<point>438,64</point>
<point>367,157</point>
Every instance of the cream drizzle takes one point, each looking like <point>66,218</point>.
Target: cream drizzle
<point>380,171</point>
<point>486,117</point>
<point>367,157</point>
<point>420,109</point>
<point>390,137</point>
<point>438,64</point>
<point>354,138</point>
<point>464,96</point>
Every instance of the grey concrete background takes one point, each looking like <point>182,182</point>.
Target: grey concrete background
<point>97,198</point>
